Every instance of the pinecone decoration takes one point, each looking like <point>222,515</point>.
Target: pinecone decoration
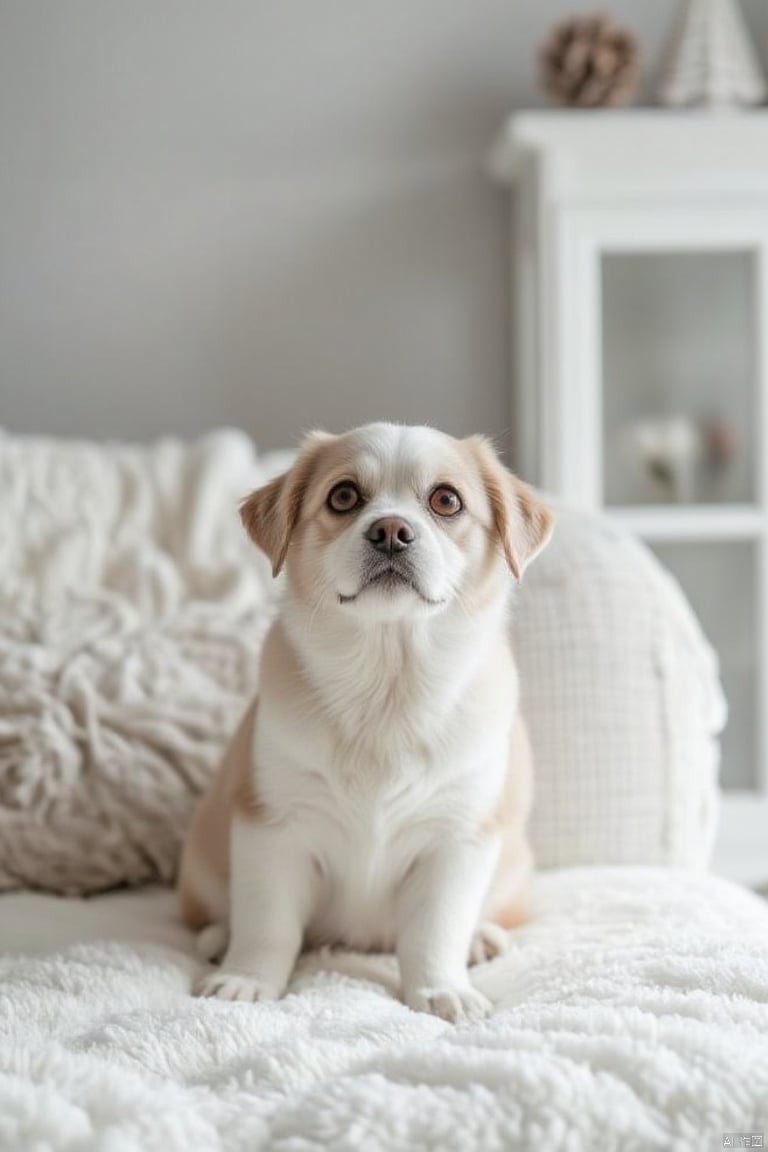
<point>590,62</point>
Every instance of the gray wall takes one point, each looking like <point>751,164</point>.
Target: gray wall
<point>269,214</point>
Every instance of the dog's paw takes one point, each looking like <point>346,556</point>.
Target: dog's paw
<point>489,942</point>
<point>212,941</point>
<point>234,986</point>
<point>452,1004</point>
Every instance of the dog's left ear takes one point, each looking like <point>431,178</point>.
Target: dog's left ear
<point>270,514</point>
<point>522,520</point>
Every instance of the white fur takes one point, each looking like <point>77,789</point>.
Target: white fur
<point>381,747</point>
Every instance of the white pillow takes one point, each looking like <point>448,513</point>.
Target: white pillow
<point>132,608</point>
<point>621,693</point>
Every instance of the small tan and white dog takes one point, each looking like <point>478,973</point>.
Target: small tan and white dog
<point>376,794</point>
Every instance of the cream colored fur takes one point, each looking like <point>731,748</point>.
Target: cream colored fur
<point>376,795</point>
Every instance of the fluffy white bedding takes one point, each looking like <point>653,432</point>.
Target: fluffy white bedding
<point>132,608</point>
<point>631,1013</point>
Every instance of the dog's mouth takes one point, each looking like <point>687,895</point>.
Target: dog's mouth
<point>390,579</point>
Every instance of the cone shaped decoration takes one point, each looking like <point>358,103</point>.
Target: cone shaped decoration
<point>712,62</point>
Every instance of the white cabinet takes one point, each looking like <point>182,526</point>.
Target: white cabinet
<point>640,345</point>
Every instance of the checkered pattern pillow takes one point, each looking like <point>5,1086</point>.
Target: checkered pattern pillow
<point>621,693</point>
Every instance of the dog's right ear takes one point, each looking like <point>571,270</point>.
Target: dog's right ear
<point>270,514</point>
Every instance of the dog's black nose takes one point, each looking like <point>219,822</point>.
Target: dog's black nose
<point>390,534</point>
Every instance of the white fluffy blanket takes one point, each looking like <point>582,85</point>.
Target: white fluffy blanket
<point>132,608</point>
<point>632,1013</point>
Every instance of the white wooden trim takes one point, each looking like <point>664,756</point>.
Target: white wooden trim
<point>590,370</point>
<point>638,147</point>
<point>524,313</point>
<point>760,450</point>
<point>642,228</point>
<point>740,850</point>
<point>552,295</point>
<point>686,523</point>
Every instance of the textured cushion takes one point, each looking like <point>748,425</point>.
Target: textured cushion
<point>132,608</point>
<point>621,693</point>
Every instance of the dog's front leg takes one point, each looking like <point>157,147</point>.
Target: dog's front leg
<point>271,886</point>
<point>438,910</point>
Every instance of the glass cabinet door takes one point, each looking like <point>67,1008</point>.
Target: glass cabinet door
<point>720,580</point>
<point>651,361</point>
<point>679,370</point>
<point>680,436</point>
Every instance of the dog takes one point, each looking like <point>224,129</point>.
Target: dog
<point>376,794</point>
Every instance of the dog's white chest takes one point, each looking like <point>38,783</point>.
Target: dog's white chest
<point>364,844</point>
<point>369,788</point>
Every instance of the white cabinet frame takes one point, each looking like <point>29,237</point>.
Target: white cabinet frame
<point>589,185</point>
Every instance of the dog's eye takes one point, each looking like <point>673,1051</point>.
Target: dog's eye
<point>344,497</point>
<point>445,502</point>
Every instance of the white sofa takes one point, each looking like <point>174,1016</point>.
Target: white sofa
<point>631,1012</point>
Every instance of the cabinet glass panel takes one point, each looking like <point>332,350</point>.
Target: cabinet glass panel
<point>679,374</point>
<point>720,580</point>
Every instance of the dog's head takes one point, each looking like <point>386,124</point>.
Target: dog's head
<point>388,521</point>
